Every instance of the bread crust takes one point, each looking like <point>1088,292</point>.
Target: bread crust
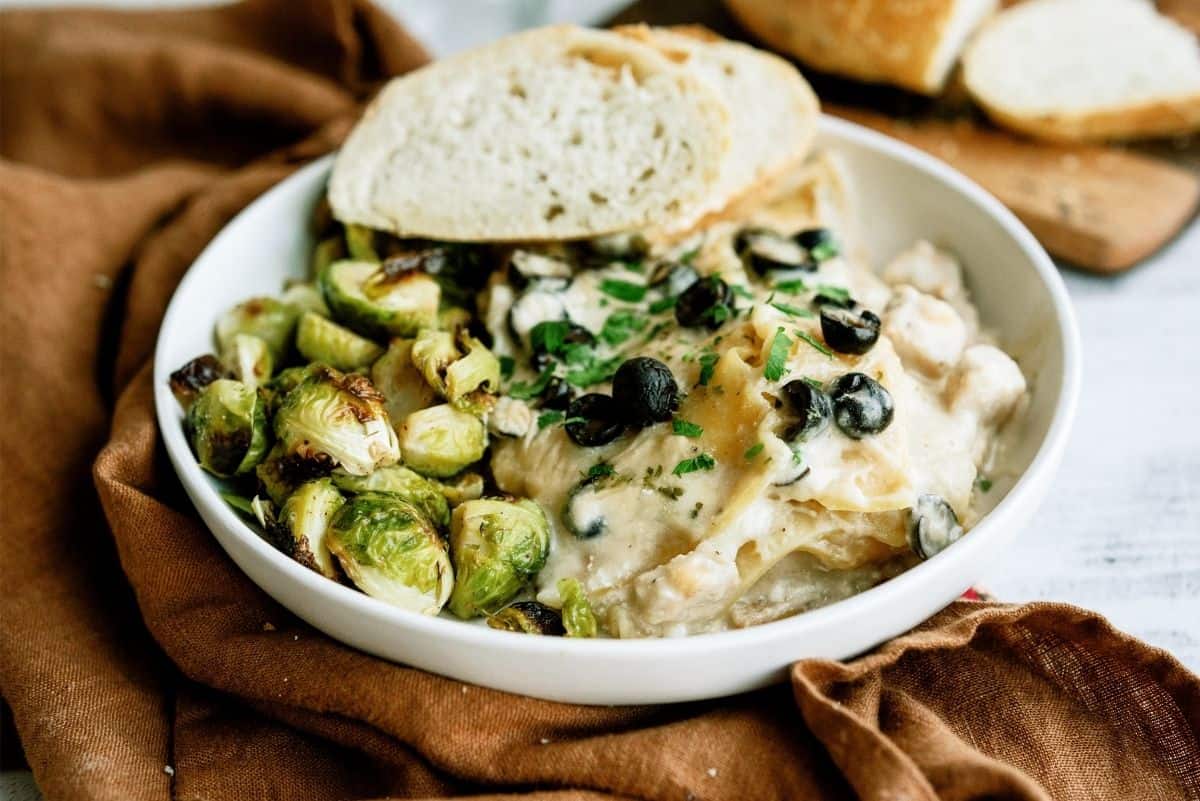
<point>1172,117</point>
<point>900,42</point>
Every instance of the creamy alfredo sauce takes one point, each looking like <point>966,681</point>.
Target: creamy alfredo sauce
<point>718,521</point>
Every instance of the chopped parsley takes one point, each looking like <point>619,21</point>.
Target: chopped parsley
<point>662,304</point>
<point>794,311</point>
<point>656,330</point>
<point>752,451</point>
<point>814,383</point>
<point>718,313</point>
<point>634,266</point>
<point>836,294</point>
<point>791,287</point>
<point>984,483</point>
<point>549,336</point>
<point>623,290</point>
<point>522,390</point>
<point>687,257</point>
<point>741,291</point>
<point>816,343</point>
<point>507,365</point>
<point>600,470</point>
<point>621,325</point>
<point>777,356</point>
<point>591,369</point>
<point>708,362</point>
<point>825,250</point>
<point>701,462</point>
<point>549,419</point>
<point>685,429</point>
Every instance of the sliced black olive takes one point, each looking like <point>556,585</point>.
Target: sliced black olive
<point>764,252</point>
<point>533,307</point>
<point>861,406</point>
<point>932,526</point>
<point>811,405</point>
<point>707,302</point>
<point>528,617</point>
<point>645,391</point>
<point>840,301</point>
<point>671,278</point>
<point>593,420</point>
<point>527,267</point>
<point>583,516</point>
<point>849,330</point>
<point>557,394</point>
<point>791,471</point>
<point>819,242</point>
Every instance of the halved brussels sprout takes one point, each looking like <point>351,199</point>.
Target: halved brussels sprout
<point>360,242</point>
<point>528,617</point>
<point>270,319</point>
<point>400,481</point>
<point>249,359</point>
<point>333,419</point>
<point>322,340</point>
<point>305,298</point>
<point>464,379</point>
<point>402,385</point>
<point>327,251</point>
<point>284,382</point>
<point>462,488</point>
<point>391,551</point>
<point>453,318</point>
<point>227,427</point>
<point>380,300</point>
<point>498,545</point>
<point>187,381</point>
<point>302,524</point>
<point>577,616</point>
<point>440,441</point>
<point>280,474</point>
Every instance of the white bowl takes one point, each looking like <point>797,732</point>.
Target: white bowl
<point>903,195</point>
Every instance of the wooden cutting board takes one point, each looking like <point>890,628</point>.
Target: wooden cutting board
<point>1101,208</point>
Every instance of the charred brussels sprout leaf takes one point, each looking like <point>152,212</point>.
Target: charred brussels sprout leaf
<point>440,441</point>
<point>528,617</point>
<point>249,359</point>
<point>322,340</point>
<point>432,354</point>
<point>187,381</point>
<point>464,375</point>
<point>577,616</point>
<point>227,427</point>
<point>462,488</point>
<point>269,319</point>
<point>498,546</point>
<point>334,419</point>
<point>377,302</point>
<point>391,551</point>
<point>404,388</point>
<point>303,522</point>
<point>422,493</point>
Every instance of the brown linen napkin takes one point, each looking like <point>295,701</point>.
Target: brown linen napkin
<point>141,664</point>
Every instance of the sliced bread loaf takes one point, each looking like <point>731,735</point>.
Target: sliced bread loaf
<point>773,111</point>
<point>1072,70</point>
<point>909,43</point>
<point>556,133</point>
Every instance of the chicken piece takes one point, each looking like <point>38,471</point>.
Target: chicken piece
<point>928,268</point>
<point>927,333</point>
<point>986,383</point>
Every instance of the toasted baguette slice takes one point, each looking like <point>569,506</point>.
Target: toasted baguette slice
<point>1073,70</point>
<point>773,111</point>
<point>913,44</point>
<point>556,133</point>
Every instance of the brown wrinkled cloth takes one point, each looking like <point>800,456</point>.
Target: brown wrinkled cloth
<point>141,664</point>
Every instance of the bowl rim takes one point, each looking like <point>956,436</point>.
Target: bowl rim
<point>1041,468</point>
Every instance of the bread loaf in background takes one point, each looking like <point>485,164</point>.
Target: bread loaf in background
<point>1076,70</point>
<point>913,44</point>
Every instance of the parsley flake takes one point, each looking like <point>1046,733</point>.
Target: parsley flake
<point>662,304</point>
<point>507,365</point>
<point>741,291</point>
<point>685,429</point>
<point>522,390</point>
<point>836,294</point>
<point>752,451</point>
<point>620,326</point>
<point>794,311</point>
<point>777,357</point>
<point>701,462</point>
<point>984,483</point>
<point>791,287</point>
<point>549,419</point>
<point>623,290</point>
<point>816,343</point>
<point>708,362</point>
<point>600,470</point>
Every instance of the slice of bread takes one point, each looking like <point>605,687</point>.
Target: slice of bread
<point>773,111</point>
<point>909,43</point>
<point>556,133</point>
<point>1073,70</point>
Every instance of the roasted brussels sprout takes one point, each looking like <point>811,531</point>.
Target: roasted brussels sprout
<point>462,488</point>
<point>187,381</point>
<point>360,242</point>
<point>391,551</point>
<point>498,545</point>
<point>279,475</point>
<point>249,359</point>
<point>463,378</point>
<point>440,441</point>
<point>269,319</point>
<point>303,522</point>
<point>432,353</point>
<point>327,251</point>
<point>305,298</point>
<point>284,382</point>
<point>528,617</point>
<point>400,481</point>
<point>577,616</point>
<point>336,420</point>
<point>401,383</point>
<point>379,300</point>
<point>227,427</point>
<point>322,340</point>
